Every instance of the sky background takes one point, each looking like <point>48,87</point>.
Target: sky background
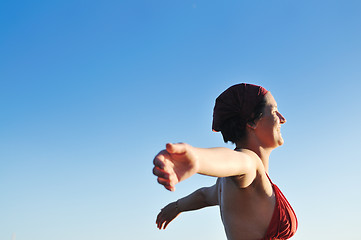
<point>90,91</point>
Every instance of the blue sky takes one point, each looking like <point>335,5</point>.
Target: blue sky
<point>90,91</point>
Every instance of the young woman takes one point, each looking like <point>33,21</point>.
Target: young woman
<point>251,206</point>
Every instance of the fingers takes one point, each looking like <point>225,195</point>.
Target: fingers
<point>162,163</point>
<point>166,224</point>
<point>166,183</point>
<point>176,148</point>
<point>167,179</point>
<point>165,216</point>
<point>160,159</point>
<point>163,169</point>
<point>161,220</point>
<point>170,188</point>
<point>161,173</point>
<point>159,217</point>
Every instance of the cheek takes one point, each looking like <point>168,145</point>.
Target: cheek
<point>270,126</point>
<point>274,122</point>
<point>270,121</point>
<point>267,125</point>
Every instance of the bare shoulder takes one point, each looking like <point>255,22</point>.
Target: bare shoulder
<point>252,163</point>
<point>256,175</point>
<point>261,180</point>
<point>254,160</point>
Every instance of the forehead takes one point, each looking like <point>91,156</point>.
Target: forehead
<point>270,101</point>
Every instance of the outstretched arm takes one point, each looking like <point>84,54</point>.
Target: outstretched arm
<point>180,161</point>
<point>203,197</point>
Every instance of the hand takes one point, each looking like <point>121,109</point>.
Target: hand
<point>174,164</point>
<point>166,215</point>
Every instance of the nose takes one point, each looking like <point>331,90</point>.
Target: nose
<point>282,118</point>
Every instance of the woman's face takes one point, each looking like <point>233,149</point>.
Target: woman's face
<point>268,127</point>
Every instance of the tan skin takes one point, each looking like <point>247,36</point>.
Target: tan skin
<point>241,177</point>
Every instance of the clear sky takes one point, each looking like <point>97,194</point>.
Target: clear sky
<point>90,91</point>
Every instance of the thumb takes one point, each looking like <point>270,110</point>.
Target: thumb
<point>177,148</point>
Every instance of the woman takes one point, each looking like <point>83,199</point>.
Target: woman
<point>251,206</point>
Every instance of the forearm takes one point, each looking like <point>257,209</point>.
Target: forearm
<point>180,161</point>
<point>193,201</point>
<point>222,162</point>
<point>201,198</point>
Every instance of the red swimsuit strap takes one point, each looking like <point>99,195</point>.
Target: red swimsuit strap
<point>284,222</point>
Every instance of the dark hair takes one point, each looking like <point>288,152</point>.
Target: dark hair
<point>234,129</point>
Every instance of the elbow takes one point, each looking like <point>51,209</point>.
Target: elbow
<point>202,195</point>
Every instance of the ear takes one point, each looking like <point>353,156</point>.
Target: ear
<point>251,125</point>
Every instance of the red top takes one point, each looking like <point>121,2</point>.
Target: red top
<point>284,223</point>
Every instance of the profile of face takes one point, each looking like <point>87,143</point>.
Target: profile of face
<point>268,127</point>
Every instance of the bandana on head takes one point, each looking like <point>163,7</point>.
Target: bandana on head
<point>239,100</point>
